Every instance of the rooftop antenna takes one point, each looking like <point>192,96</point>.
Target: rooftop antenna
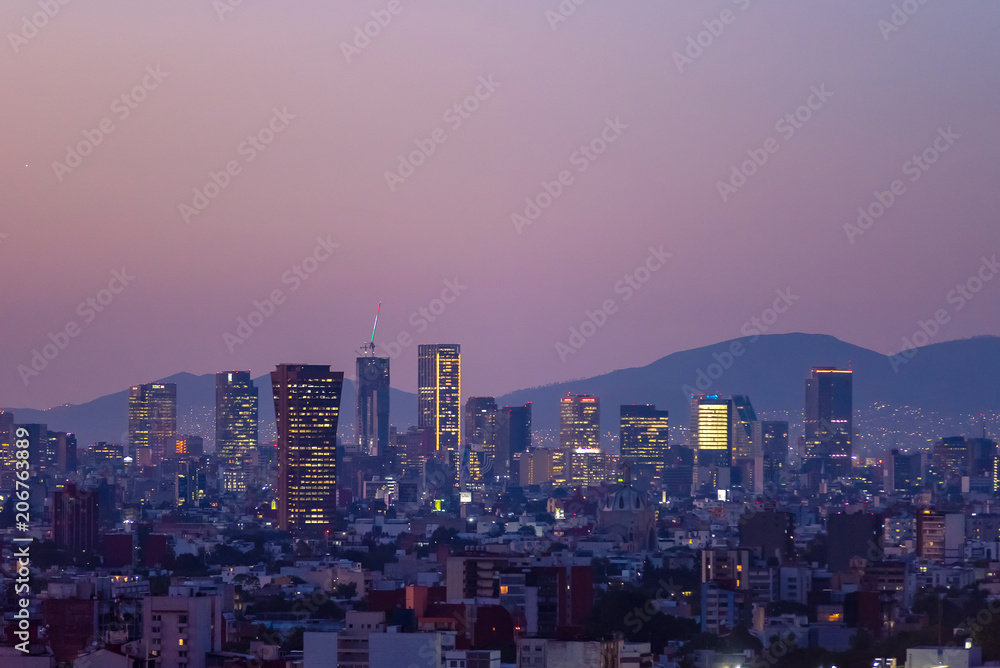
<point>369,348</point>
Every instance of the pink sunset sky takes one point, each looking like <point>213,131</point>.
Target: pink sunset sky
<point>630,126</point>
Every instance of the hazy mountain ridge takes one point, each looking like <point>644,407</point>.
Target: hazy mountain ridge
<point>949,378</point>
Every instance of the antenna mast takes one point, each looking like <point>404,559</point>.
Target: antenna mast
<point>369,347</point>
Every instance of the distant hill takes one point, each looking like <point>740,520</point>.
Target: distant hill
<point>953,377</point>
<point>950,378</point>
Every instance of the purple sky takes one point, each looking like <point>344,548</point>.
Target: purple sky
<point>323,176</point>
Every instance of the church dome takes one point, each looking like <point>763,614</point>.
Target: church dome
<point>626,498</point>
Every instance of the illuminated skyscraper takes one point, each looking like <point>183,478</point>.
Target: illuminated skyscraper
<point>306,411</point>
<point>7,443</point>
<point>152,419</point>
<point>235,426</point>
<point>580,422</point>
<point>480,443</point>
<point>712,431</point>
<point>829,422</point>
<point>644,436</point>
<point>439,405</point>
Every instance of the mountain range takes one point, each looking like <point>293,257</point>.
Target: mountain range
<point>952,378</point>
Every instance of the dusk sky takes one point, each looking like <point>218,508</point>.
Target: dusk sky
<point>339,111</point>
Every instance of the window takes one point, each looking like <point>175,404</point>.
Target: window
<point>183,619</point>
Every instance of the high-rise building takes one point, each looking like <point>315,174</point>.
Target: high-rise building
<point>770,533</point>
<point>38,443</point>
<point>908,471</point>
<point>6,449</point>
<point>152,419</point>
<point>644,436</point>
<point>306,410</point>
<point>188,445</point>
<point>774,447</point>
<point>580,422</point>
<point>829,421</point>
<point>235,426</point>
<point>439,391</point>
<point>712,431</point>
<point>480,442</point>
<point>480,420</point>
<point>513,436</point>
<point>181,630</point>
<point>854,536</point>
<point>372,421</point>
<point>940,536</point>
<point>74,519</point>
<point>744,446</point>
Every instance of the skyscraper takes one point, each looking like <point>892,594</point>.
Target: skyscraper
<point>7,459</point>
<point>743,436</point>
<point>644,436</point>
<point>774,444</point>
<point>74,518</point>
<point>480,444</point>
<point>439,392</point>
<point>580,422</point>
<point>306,410</point>
<point>829,422</point>
<point>372,424</point>
<point>712,432</point>
<point>480,420</point>
<point>235,426</point>
<point>152,419</point>
<point>513,436</point>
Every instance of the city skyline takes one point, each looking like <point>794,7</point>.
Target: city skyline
<point>496,334</point>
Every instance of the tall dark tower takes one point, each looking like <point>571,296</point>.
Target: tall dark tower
<point>372,424</point>
<point>774,443</point>
<point>829,421</point>
<point>306,410</point>
<point>513,436</point>
<point>235,426</point>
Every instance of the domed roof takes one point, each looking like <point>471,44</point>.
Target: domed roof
<point>626,498</point>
